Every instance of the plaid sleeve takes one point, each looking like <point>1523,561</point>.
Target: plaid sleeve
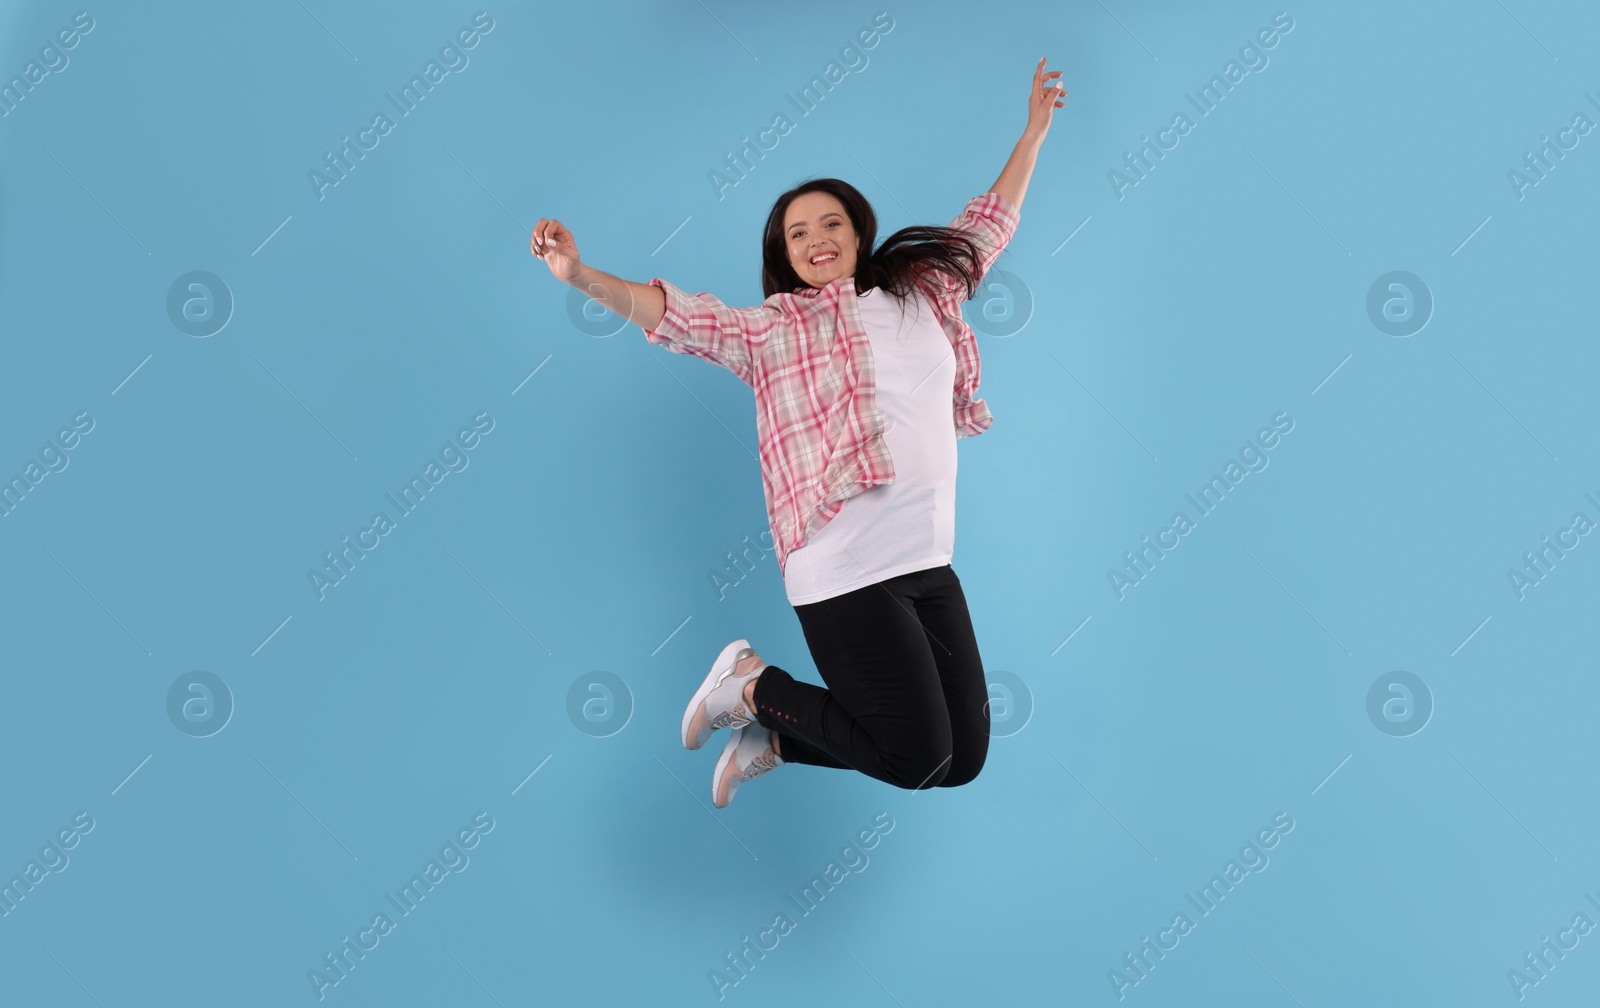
<point>989,220</point>
<point>704,327</point>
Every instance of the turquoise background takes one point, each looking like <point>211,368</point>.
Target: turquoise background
<point>522,644</point>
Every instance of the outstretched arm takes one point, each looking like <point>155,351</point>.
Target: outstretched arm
<point>696,324</point>
<point>1043,99</point>
<point>641,304</point>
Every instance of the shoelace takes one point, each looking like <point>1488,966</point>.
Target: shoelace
<point>760,765</point>
<point>727,718</point>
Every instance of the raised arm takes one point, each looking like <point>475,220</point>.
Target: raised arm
<point>641,304</point>
<point>1043,99</point>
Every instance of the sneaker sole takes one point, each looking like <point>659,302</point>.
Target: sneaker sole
<point>720,670</point>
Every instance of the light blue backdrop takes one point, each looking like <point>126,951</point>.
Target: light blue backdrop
<point>261,765</point>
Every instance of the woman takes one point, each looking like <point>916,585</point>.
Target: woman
<point>859,360</point>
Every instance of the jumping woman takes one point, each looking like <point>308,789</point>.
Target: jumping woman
<point>864,375</point>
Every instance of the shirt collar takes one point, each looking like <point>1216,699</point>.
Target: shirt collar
<point>811,292</point>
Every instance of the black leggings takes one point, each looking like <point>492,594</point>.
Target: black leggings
<point>906,701</point>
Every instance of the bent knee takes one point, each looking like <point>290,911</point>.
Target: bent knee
<point>962,773</point>
<point>927,771</point>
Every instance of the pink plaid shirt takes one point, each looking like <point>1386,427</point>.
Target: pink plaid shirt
<point>816,416</point>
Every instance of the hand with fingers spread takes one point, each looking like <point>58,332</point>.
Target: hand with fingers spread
<point>553,243</point>
<point>1044,99</point>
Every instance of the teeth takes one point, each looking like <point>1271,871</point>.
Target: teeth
<point>827,257</point>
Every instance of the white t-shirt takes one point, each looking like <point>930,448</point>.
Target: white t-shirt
<point>910,524</point>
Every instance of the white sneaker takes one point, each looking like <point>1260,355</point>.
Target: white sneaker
<point>747,755</point>
<point>719,702</point>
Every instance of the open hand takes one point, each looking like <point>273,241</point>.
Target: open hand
<point>1044,98</point>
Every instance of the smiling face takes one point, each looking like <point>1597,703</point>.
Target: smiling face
<point>815,224</point>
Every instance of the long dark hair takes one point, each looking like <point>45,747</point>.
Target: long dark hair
<point>895,265</point>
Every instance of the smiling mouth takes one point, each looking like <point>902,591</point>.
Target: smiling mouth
<point>826,257</point>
